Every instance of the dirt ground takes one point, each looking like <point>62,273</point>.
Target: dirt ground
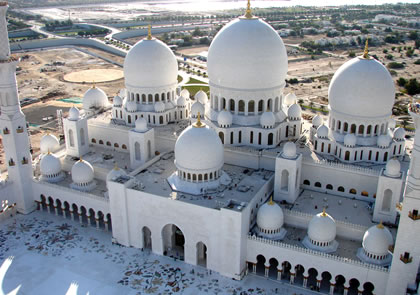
<point>94,76</point>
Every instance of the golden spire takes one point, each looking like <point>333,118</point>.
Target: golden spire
<point>149,32</point>
<point>324,213</point>
<point>380,225</point>
<point>248,12</point>
<point>198,124</point>
<point>366,52</point>
<point>271,201</point>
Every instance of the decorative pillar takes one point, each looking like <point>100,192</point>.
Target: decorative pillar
<point>305,282</point>
<point>346,290</point>
<point>88,219</point>
<point>279,272</point>
<point>332,286</point>
<point>72,215</point>
<point>64,212</point>
<point>267,268</point>
<point>106,226</point>
<point>318,284</point>
<point>254,268</point>
<point>48,208</point>
<point>56,210</point>
<point>292,278</point>
<point>80,217</point>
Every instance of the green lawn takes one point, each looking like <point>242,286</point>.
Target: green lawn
<point>179,78</point>
<point>194,89</point>
<point>195,81</point>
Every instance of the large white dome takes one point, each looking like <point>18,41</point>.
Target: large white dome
<point>362,88</point>
<point>247,54</point>
<point>82,172</point>
<point>49,143</point>
<point>94,98</point>
<point>322,228</point>
<point>377,240</point>
<point>199,149</point>
<point>270,217</point>
<point>150,63</point>
<point>50,165</point>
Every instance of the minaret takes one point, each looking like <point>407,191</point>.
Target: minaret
<point>405,261</point>
<point>13,125</point>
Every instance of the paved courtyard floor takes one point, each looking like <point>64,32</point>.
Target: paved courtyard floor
<point>44,254</point>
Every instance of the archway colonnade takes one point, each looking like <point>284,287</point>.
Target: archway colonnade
<point>308,277</point>
<point>74,212</point>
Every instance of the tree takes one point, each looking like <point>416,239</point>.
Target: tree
<point>413,35</point>
<point>401,82</point>
<point>412,87</point>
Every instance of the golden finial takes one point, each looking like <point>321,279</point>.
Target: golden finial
<point>380,225</point>
<point>149,32</point>
<point>49,152</point>
<point>271,201</point>
<point>248,12</point>
<point>93,85</point>
<point>116,166</point>
<point>198,124</point>
<point>366,52</point>
<point>80,159</point>
<point>324,213</point>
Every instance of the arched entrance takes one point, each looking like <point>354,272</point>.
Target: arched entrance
<point>147,238</point>
<point>260,265</point>
<point>201,254</point>
<point>173,241</point>
<point>273,269</point>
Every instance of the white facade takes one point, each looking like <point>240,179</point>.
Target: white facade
<point>223,192</point>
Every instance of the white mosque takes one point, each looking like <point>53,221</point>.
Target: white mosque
<point>235,181</point>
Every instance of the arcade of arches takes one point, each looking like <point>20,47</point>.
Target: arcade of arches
<point>74,212</point>
<point>310,278</point>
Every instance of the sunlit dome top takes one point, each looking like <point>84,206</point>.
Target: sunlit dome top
<point>49,143</point>
<point>267,120</point>
<point>322,228</point>
<point>294,111</point>
<point>82,172</point>
<point>399,134</point>
<point>199,148</point>
<point>185,93</point>
<point>317,121</point>
<point>289,150</point>
<point>247,53</point>
<point>117,101</point>
<point>115,173</point>
<point>377,240</point>
<point>322,131</point>
<point>74,114</point>
<point>141,125</point>
<point>393,168</point>
<point>150,63</point>
<point>270,216</point>
<point>94,98</point>
<point>224,118</point>
<point>196,108</point>
<point>201,96</point>
<point>290,99</point>
<point>362,87</point>
<point>50,165</point>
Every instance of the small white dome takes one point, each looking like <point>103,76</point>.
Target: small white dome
<point>185,93</point>
<point>377,240</point>
<point>114,173</point>
<point>267,120</point>
<point>150,64</point>
<point>49,143</point>
<point>196,108</point>
<point>350,140</point>
<point>393,168</point>
<point>122,93</point>
<point>322,131</point>
<point>94,98</point>
<point>362,88</point>
<point>159,107</point>
<point>74,114</point>
<point>199,149</point>
<point>117,101</point>
<point>141,125</point>
<point>270,216</point>
<point>131,106</point>
<point>290,99</point>
<point>317,121</point>
<point>50,165</point>
<point>294,112</point>
<point>289,150</point>
<point>322,228</point>
<point>384,140</point>
<point>224,119</point>
<point>82,172</point>
<point>181,101</point>
<point>201,96</point>
<point>399,134</point>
